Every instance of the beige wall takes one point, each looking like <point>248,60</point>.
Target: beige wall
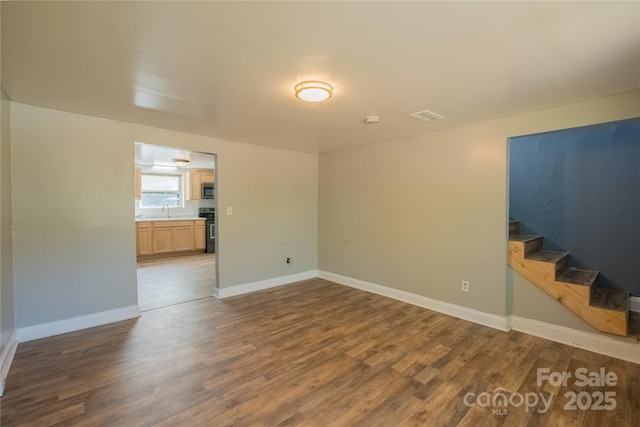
<point>74,248</point>
<point>7,325</point>
<point>6,268</point>
<point>423,213</point>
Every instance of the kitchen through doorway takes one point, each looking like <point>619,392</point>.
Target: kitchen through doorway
<point>175,210</point>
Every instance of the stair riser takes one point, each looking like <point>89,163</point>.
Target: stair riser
<point>514,229</point>
<point>532,246</point>
<point>561,266</point>
<point>592,293</point>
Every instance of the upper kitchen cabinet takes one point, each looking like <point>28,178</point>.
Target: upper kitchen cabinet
<point>138,184</point>
<point>197,177</point>
<point>207,176</point>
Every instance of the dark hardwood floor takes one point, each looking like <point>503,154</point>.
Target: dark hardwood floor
<point>173,280</point>
<point>313,353</point>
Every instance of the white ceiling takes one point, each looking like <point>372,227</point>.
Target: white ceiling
<point>227,69</point>
<point>155,155</point>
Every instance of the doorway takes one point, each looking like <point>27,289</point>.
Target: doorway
<point>175,204</point>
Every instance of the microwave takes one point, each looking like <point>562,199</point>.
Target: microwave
<point>208,191</point>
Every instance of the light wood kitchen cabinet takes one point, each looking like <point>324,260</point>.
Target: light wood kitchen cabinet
<point>195,185</point>
<point>183,238</point>
<point>197,177</point>
<point>167,237</point>
<point>144,238</point>
<point>172,236</point>
<point>162,240</point>
<point>138,184</point>
<point>208,176</point>
<point>200,235</point>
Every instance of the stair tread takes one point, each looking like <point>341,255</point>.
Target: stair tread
<point>610,299</point>
<point>576,276</point>
<point>524,237</point>
<point>547,256</point>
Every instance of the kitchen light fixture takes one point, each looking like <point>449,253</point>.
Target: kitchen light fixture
<point>181,162</point>
<point>313,91</point>
<point>372,120</point>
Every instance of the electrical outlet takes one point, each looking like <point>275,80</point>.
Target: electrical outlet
<point>465,286</point>
<point>289,261</point>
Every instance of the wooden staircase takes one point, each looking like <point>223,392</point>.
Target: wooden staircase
<point>607,310</point>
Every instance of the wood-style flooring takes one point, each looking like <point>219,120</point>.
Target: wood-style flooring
<point>173,280</point>
<point>308,354</point>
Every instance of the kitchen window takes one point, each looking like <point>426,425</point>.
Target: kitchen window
<point>159,190</point>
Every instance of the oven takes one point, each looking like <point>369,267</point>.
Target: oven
<point>211,236</point>
<point>210,228</point>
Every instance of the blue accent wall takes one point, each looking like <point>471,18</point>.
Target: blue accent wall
<point>580,189</point>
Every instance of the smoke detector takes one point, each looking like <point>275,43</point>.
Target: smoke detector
<point>426,116</point>
<point>371,120</point>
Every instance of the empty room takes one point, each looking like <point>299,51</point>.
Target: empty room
<point>319,213</point>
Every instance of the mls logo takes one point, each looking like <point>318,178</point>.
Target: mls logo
<point>500,412</point>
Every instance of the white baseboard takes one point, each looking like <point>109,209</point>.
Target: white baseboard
<point>634,304</point>
<point>480,317</point>
<point>232,291</point>
<point>6,358</point>
<point>618,347</point>
<point>44,330</point>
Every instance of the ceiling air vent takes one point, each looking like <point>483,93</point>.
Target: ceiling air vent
<point>426,116</point>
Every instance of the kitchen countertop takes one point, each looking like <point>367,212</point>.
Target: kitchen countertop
<point>173,218</point>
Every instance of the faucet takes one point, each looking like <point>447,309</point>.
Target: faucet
<point>168,210</point>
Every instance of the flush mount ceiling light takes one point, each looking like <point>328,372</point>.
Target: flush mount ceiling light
<point>313,91</point>
<point>181,162</point>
